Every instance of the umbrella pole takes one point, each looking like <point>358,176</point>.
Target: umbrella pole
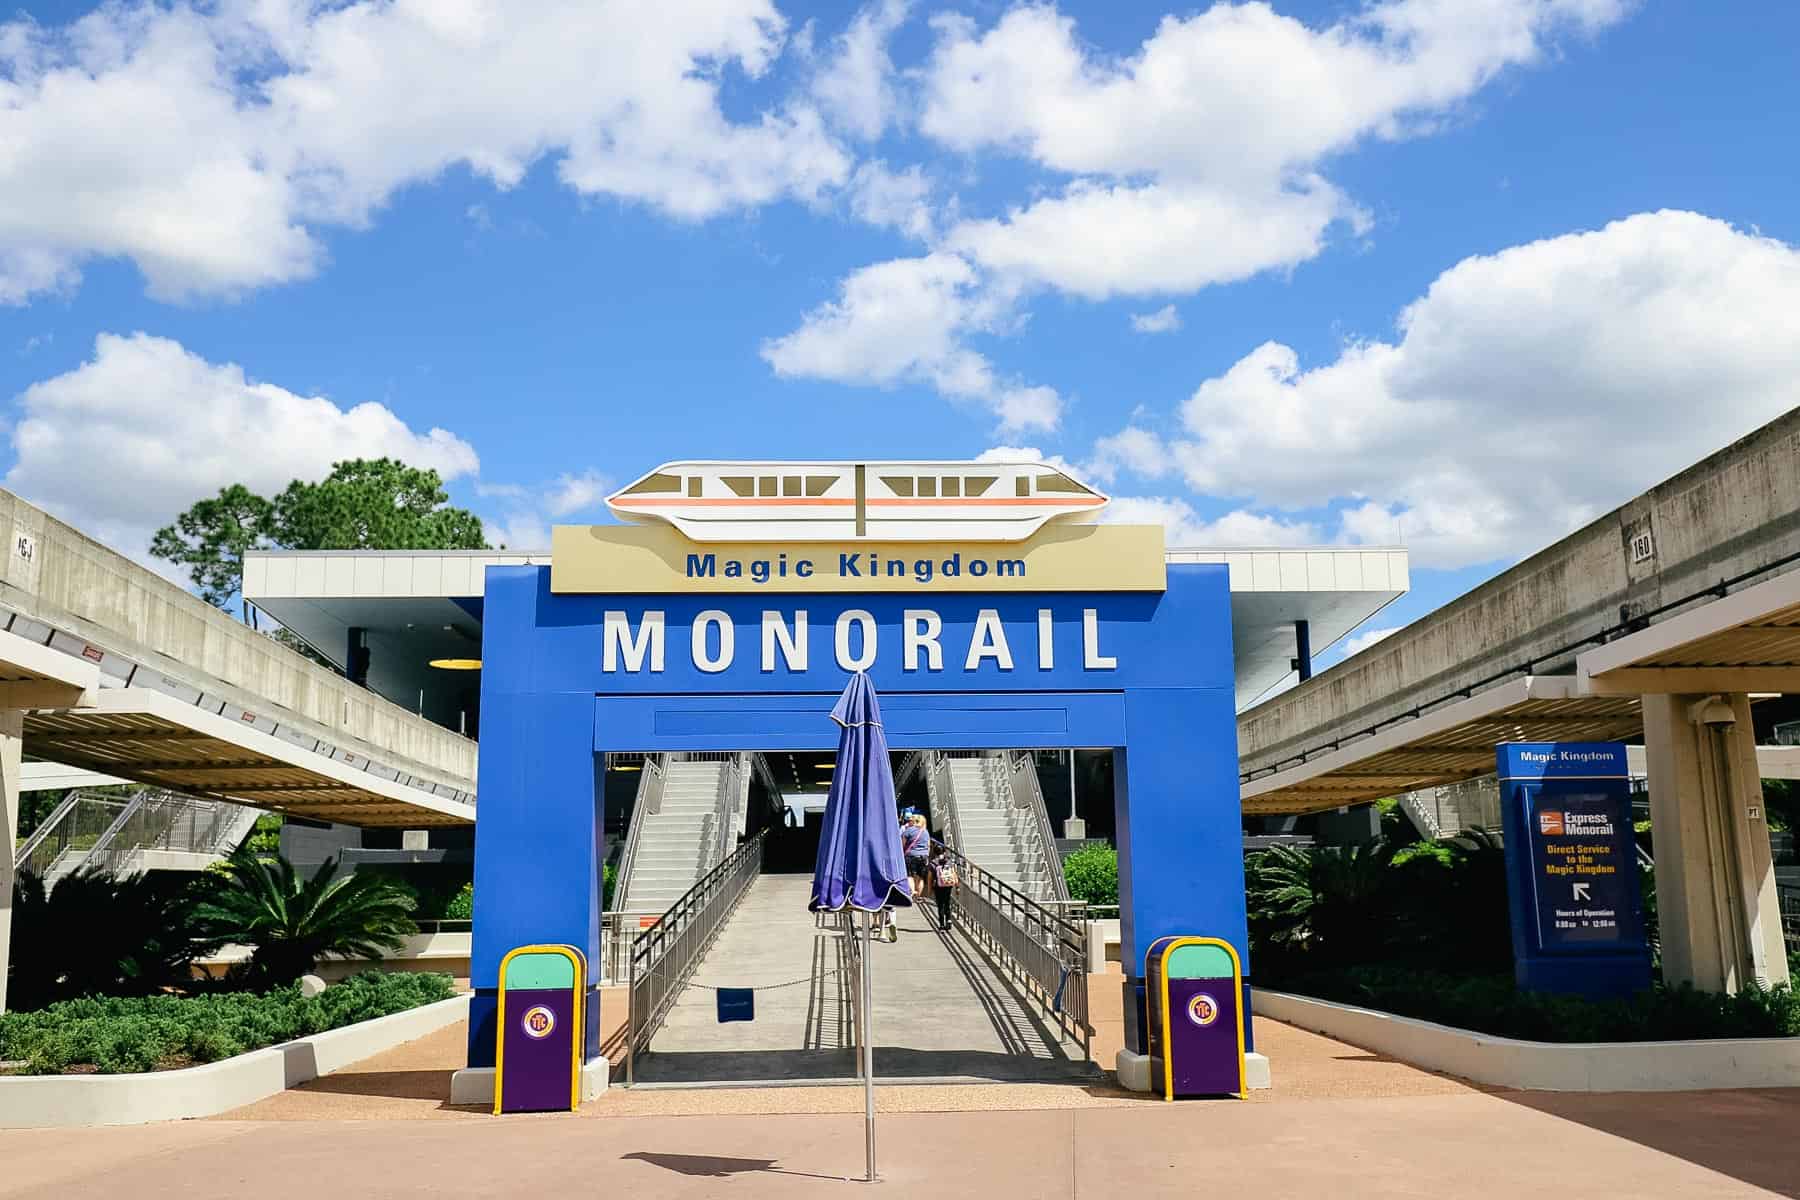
<point>868,1044</point>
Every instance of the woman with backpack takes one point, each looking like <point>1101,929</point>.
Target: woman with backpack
<point>944,882</point>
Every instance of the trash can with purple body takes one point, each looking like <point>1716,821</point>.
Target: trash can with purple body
<point>1196,1018</point>
<point>538,1053</point>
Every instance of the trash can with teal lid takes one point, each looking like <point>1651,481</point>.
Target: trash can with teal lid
<point>540,1022</point>
<point>1195,988</point>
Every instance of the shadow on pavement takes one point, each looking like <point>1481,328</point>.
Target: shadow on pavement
<point>1750,1135</point>
<point>715,1166</point>
<point>893,1064</point>
<point>396,1085</point>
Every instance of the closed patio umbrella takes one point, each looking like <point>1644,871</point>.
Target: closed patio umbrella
<point>860,866</point>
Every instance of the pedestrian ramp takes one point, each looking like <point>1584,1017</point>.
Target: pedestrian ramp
<point>944,1010</point>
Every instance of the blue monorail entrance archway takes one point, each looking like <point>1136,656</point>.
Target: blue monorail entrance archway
<point>567,678</point>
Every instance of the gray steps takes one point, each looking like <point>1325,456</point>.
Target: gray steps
<point>678,843</point>
<point>1000,839</point>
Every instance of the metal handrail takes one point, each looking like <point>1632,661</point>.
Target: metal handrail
<point>1788,897</point>
<point>1032,799</point>
<point>47,826</point>
<point>938,790</point>
<point>725,805</point>
<point>664,956</point>
<point>1044,949</point>
<point>649,800</point>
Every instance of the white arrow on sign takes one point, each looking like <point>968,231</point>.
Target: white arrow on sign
<point>1581,892</point>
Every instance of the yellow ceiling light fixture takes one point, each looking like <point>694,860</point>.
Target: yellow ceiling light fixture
<point>456,664</point>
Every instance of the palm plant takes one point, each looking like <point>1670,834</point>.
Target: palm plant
<point>292,923</point>
<point>97,934</point>
<point>1329,903</point>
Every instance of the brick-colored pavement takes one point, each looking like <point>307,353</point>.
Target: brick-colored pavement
<point>1469,1143</point>
<point>1340,1122</point>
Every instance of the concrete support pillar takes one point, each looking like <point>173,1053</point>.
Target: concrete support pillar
<point>1716,903</point>
<point>12,729</point>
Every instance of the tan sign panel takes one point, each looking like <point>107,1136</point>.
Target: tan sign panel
<point>654,558</point>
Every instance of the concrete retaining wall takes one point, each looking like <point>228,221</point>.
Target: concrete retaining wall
<point>1547,1066</point>
<point>75,582</point>
<point>1731,513</point>
<point>45,1101</point>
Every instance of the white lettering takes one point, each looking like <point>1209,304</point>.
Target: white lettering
<point>989,641</point>
<point>921,628</point>
<point>866,656</point>
<point>1046,642</point>
<point>617,642</point>
<point>1092,659</point>
<point>793,645</point>
<point>727,641</point>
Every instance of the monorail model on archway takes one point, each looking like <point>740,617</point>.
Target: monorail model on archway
<point>836,501</point>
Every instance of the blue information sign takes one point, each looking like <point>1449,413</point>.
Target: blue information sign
<point>1572,876</point>
<point>1584,867</point>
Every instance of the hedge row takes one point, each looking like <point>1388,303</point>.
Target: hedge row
<point>117,1036</point>
<point>1492,1004</point>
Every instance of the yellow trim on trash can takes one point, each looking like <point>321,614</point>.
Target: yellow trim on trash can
<point>579,961</point>
<point>1169,946</point>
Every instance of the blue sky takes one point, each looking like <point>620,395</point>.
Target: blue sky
<point>1462,275</point>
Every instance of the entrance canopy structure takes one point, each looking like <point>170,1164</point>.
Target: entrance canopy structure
<point>411,608</point>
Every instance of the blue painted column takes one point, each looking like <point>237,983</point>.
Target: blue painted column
<point>1180,835</point>
<point>539,832</point>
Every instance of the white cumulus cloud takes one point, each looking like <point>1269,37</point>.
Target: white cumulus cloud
<point>1163,320</point>
<point>856,90</point>
<point>1358,642</point>
<point>210,144</point>
<point>905,321</point>
<point>1186,528</point>
<point>1197,160</point>
<point>1526,393</point>
<point>123,443</point>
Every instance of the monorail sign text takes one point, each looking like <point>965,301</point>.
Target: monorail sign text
<point>637,643</point>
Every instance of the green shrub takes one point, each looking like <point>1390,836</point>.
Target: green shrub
<point>1493,1004</point>
<point>461,907</point>
<point>118,1035</point>
<point>1092,873</point>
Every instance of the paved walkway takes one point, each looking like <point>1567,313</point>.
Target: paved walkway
<point>1718,1145</point>
<point>943,1010</point>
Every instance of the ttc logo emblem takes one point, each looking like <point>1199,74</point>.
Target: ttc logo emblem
<point>538,1022</point>
<point>1203,1010</point>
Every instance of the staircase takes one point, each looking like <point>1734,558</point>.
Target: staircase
<point>1443,812</point>
<point>993,814</point>
<point>150,829</point>
<point>686,822</point>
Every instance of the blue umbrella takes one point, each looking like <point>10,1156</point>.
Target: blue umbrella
<point>860,866</point>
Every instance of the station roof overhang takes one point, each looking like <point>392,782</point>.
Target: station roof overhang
<point>420,605</point>
<point>1446,745</point>
<point>1747,641</point>
<point>1743,642</point>
<point>146,737</point>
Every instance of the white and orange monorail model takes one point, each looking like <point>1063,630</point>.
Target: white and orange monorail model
<point>838,501</point>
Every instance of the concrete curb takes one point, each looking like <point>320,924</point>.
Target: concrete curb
<point>1547,1066</point>
<point>48,1101</point>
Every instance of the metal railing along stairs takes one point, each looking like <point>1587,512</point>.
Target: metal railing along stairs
<point>120,833</point>
<point>663,957</point>
<point>1043,947</point>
